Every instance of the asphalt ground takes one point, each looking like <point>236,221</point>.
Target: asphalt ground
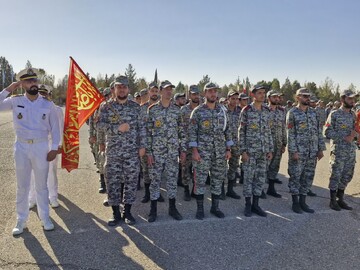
<point>82,240</point>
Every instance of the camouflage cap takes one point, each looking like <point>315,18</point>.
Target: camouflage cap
<point>348,93</point>
<point>211,85</point>
<point>153,84</point>
<point>112,85</point>
<point>272,93</point>
<point>232,93</point>
<point>143,92</point>
<point>222,99</point>
<point>313,98</point>
<point>27,74</point>
<point>303,91</point>
<point>258,87</point>
<point>179,95</point>
<point>136,94</point>
<point>194,89</point>
<point>243,96</point>
<point>165,84</point>
<point>121,80</point>
<point>289,102</point>
<point>107,91</point>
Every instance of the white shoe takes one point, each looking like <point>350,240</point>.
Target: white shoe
<point>19,228</point>
<point>32,205</point>
<point>54,204</point>
<point>48,225</point>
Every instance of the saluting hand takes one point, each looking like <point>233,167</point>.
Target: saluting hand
<point>13,86</point>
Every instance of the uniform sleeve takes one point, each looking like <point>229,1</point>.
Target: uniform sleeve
<point>193,129</point>
<point>55,130</point>
<point>141,129</point>
<point>242,131</point>
<point>321,140</point>
<point>228,135</point>
<point>149,132</point>
<point>291,132</point>
<point>283,129</point>
<point>5,103</point>
<point>330,131</point>
<point>60,115</point>
<point>101,126</point>
<point>181,132</point>
<point>270,137</point>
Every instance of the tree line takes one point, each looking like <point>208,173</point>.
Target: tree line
<point>327,91</point>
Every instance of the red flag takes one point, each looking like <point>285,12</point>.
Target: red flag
<point>82,99</point>
<point>357,125</point>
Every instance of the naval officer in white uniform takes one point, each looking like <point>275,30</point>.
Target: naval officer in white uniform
<point>34,118</point>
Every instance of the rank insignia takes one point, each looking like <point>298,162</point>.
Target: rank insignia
<point>343,126</point>
<point>157,123</point>
<point>206,123</point>
<point>254,126</point>
<point>19,116</point>
<point>303,125</point>
<point>114,119</point>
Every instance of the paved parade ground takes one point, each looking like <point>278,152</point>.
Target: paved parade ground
<point>82,239</point>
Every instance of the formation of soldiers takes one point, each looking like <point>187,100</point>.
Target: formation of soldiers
<point>158,137</point>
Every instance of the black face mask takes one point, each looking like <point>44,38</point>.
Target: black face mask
<point>33,91</point>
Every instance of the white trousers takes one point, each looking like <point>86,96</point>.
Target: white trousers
<point>31,157</point>
<point>52,183</point>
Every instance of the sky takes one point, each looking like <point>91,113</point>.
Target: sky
<point>306,40</point>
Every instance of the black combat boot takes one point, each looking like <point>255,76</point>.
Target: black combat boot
<point>200,207</point>
<point>173,212</point>
<point>187,196</point>
<point>311,194</point>
<point>263,195</point>
<point>241,176</point>
<point>215,206</point>
<point>138,187</point>
<point>129,219</point>
<point>146,197</point>
<point>122,192</point>
<point>102,188</point>
<point>116,216</point>
<point>230,190</point>
<point>255,208</point>
<point>271,189</point>
<point>106,203</point>
<point>295,204</point>
<point>153,211</point>
<point>333,203</point>
<point>247,211</point>
<point>304,206</point>
<point>341,202</point>
<point>161,198</point>
<point>222,195</point>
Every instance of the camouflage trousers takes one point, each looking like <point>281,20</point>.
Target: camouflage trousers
<point>301,174</point>
<point>254,174</point>
<point>121,170</point>
<point>216,165</point>
<point>233,163</point>
<point>274,165</point>
<point>145,170</point>
<point>167,167</point>
<point>187,174</point>
<point>99,157</point>
<point>341,169</point>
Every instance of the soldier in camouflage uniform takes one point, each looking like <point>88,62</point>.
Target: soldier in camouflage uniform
<point>186,110</point>
<point>243,102</point>
<point>165,136</point>
<point>278,133</point>
<point>305,145</point>
<point>125,138</point>
<point>340,128</point>
<point>210,140</point>
<point>256,148</point>
<point>321,112</point>
<point>153,97</point>
<point>99,157</point>
<point>233,163</point>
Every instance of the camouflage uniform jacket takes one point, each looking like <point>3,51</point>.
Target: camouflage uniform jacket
<point>209,129</point>
<point>322,115</point>
<point>165,129</point>
<point>304,132</point>
<point>254,130</point>
<point>277,126</point>
<point>185,114</point>
<point>112,115</point>
<point>339,125</point>
<point>234,121</point>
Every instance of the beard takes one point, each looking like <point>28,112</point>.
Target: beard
<point>305,103</point>
<point>195,100</point>
<point>211,100</point>
<point>121,98</point>
<point>347,105</point>
<point>33,91</point>
<point>154,97</point>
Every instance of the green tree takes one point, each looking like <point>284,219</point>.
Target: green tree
<point>180,88</point>
<point>45,78</point>
<point>275,84</point>
<point>287,90</point>
<point>28,64</point>
<point>131,75</point>
<point>141,84</point>
<point>6,73</point>
<point>203,81</point>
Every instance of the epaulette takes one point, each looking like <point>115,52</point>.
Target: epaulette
<point>46,98</point>
<point>18,95</point>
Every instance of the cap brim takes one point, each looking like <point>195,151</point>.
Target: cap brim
<point>167,85</point>
<point>120,83</point>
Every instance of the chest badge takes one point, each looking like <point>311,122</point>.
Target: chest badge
<point>114,119</point>
<point>206,123</point>
<point>19,116</point>
<point>343,126</point>
<point>158,123</point>
<point>253,126</point>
